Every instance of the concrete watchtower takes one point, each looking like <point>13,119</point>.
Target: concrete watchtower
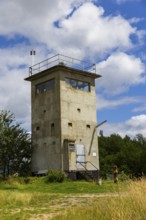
<point>63,117</point>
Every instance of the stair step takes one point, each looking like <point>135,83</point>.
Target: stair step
<point>88,175</point>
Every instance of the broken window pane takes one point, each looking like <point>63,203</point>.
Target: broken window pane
<point>76,84</point>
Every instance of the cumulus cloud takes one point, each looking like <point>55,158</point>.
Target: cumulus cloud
<point>15,95</point>
<point>89,30</point>
<point>120,71</point>
<point>135,125</point>
<point>74,27</point>
<point>78,28</point>
<point>14,91</point>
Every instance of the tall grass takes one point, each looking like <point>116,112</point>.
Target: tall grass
<point>13,199</point>
<point>121,206</point>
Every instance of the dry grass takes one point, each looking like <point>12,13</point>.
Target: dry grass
<point>14,198</point>
<point>125,206</point>
<point>118,205</point>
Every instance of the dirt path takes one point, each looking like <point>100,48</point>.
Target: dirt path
<point>62,205</point>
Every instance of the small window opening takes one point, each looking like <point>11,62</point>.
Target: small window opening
<point>37,128</point>
<point>52,129</point>
<point>44,111</point>
<point>88,126</point>
<point>78,109</point>
<point>70,124</point>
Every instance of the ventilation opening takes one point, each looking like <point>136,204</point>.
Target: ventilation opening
<point>69,124</point>
<point>37,128</point>
<point>87,126</point>
<point>78,109</point>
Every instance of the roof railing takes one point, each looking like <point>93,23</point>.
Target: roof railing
<point>60,59</point>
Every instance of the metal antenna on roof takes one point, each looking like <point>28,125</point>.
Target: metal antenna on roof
<point>32,54</point>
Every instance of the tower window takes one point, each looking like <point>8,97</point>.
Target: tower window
<point>78,109</point>
<point>87,126</point>
<point>43,87</point>
<point>76,84</point>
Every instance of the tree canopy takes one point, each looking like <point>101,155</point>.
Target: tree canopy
<point>15,146</point>
<point>128,154</point>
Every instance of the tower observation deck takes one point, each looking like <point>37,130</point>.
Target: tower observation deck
<point>60,59</point>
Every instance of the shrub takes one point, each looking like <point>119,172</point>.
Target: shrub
<point>55,176</point>
<point>26,180</point>
<point>123,176</point>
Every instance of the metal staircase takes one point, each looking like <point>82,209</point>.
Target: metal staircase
<point>89,175</point>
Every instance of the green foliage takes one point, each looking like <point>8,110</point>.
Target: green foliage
<point>128,154</point>
<point>56,176</point>
<point>15,146</point>
<point>124,176</point>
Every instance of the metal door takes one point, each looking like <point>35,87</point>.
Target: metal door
<point>80,156</point>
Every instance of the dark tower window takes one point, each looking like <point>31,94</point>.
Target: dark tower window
<point>88,126</point>
<point>43,87</point>
<point>76,84</point>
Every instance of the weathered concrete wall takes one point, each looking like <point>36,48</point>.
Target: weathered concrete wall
<point>45,112</point>
<point>79,108</point>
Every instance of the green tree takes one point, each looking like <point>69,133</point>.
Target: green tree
<point>128,154</point>
<point>15,146</point>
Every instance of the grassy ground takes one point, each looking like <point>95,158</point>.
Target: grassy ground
<point>67,187</point>
<point>40,200</point>
<point>122,206</point>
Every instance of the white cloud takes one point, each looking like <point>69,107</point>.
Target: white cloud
<point>85,30</point>
<point>15,95</point>
<point>89,30</point>
<point>103,103</point>
<point>14,91</point>
<point>137,121</point>
<point>140,108</point>
<point>135,125</point>
<point>124,1</point>
<point>120,71</point>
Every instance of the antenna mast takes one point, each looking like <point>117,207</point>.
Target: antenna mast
<point>32,54</point>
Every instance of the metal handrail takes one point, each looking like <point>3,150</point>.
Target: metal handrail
<point>92,164</point>
<point>57,60</point>
<point>81,163</point>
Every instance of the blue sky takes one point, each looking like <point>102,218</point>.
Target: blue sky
<point>110,33</point>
